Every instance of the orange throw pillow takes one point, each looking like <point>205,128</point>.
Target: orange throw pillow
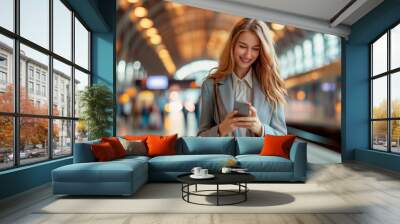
<point>103,152</point>
<point>116,145</point>
<point>277,145</point>
<point>161,145</point>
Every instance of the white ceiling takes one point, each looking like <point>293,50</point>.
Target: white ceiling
<point>315,15</point>
<point>321,9</point>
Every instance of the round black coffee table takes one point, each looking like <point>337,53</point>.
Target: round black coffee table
<point>238,179</point>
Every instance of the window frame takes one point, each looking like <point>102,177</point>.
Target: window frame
<point>388,74</point>
<point>16,115</point>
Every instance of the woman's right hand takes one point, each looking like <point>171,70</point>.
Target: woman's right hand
<point>227,125</point>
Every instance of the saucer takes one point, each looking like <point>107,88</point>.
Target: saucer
<point>208,176</point>
<point>240,171</point>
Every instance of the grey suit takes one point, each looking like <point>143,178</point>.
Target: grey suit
<point>273,121</point>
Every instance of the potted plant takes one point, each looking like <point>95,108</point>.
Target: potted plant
<point>96,102</point>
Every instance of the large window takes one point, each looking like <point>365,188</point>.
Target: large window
<point>44,64</point>
<point>385,94</point>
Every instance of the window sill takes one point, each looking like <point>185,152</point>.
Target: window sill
<point>26,167</point>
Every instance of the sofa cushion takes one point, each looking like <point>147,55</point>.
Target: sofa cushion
<point>249,145</point>
<point>206,145</point>
<point>134,147</point>
<point>277,145</point>
<point>161,145</point>
<point>185,163</point>
<point>116,145</point>
<point>103,152</point>
<point>257,163</point>
<point>132,158</point>
<point>111,171</point>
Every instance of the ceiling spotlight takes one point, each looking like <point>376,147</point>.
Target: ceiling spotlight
<point>133,1</point>
<point>140,12</point>
<point>277,26</point>
<point>145,23</point>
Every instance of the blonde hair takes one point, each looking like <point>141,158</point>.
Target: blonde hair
<point>265,68</point>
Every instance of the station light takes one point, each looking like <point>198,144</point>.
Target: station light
<point>145,23</point>
<point>140,12</point>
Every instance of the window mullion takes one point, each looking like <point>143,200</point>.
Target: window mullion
<point>50,81</point>
<point>389,106</point>
<point>89,55</point>
<point>371,98</point>
<point>16,84</point>
<point>73,82</point>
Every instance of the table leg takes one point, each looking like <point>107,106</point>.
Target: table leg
<point>182,190</point>
<point>217,194</point>
<point>245,191</point>
<point>188,189</point>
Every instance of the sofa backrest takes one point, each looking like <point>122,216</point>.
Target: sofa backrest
<point>190,146</point>
<point>249,145</point>
<point>206,145</point>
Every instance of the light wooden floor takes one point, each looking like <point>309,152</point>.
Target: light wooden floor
<point>378,189</point>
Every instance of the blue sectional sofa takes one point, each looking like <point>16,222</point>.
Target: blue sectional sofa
<point>125,176</point>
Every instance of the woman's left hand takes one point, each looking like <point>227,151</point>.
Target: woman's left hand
<point>251,122</point>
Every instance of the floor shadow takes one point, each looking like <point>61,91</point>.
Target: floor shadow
<point>255,198</point>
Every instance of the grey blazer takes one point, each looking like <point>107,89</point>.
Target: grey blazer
<point>273,121</point>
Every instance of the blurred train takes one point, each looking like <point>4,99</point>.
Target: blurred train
<point>314,105</point>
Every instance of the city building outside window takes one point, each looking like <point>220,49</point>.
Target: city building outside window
<point>38,89</point>
<point>30,87</point>
<point>37,75</point>
<point>3,78</point>
<point>3,61</point>
<point>3,72</point>
<point>43,77</point>
<point>30,72</point>
<point>43,90</point>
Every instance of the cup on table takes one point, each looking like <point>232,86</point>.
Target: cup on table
<point>226,170</point>
<point>203,172</point>
<point>196,171</point>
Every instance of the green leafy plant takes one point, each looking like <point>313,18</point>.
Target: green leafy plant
<point>96,102</point>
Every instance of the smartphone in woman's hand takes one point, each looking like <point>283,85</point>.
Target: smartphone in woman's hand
<point>242,108</point>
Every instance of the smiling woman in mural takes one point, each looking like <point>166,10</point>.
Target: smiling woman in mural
<point>245,95</point>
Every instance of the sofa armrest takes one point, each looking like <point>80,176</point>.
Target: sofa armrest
<point>298,155</point>
<point>83,152</point>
